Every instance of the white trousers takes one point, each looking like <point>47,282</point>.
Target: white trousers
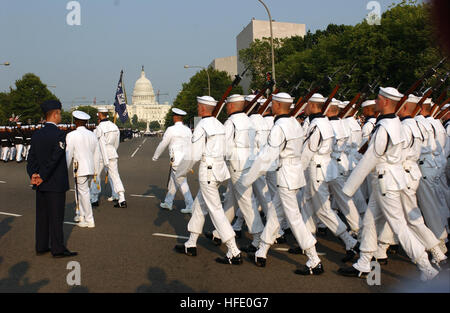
<point>208,201</point>
<point>175,184</point>
<point>5,154</point>
<point>19,152</point>
<point>427,200</point>
<point>113,177</point>
<point>386,208</point>
<point>84,201</point>
<point>12,153</point>
<point>345,204</point>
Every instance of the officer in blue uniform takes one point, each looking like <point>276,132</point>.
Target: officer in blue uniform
<point>47,169</point>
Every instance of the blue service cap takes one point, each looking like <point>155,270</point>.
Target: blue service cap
<point>50,105</point>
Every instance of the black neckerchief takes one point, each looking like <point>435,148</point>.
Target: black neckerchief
<point>333,118</point>
<point>237,112</point>
<point>369,117</point>
<point>390,115</point>
<point>207,116</point>
<point>446,121</point>
<point>315,115</point>
<point>104,120</point>
<point>425,116</point>
<point>405,117</point>
<point>281,116</point>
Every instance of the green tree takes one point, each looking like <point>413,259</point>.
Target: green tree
<point>66,117</point>
<point>154,125</point>
<point>134,120</point>
<point>186,99</point>
<point>25,99</point>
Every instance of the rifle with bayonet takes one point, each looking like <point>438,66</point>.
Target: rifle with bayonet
<point>220,105</point>
<point>303,101</point>
<point>428,93</point>
<point>268,85</point>
<point>336,89</point>
<point>440,102</point>
<point>359,96</point>
<point>264,107</point>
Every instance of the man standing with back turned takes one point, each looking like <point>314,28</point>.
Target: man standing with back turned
<point>47,169</point>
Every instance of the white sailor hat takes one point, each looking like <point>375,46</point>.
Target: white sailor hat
<point>317,97</point>
<point>102,110</point>
<point>235,98</point>
<point>2,127</point>
<point>413,99</point>
<point>367,103</point>
<point>178,112</point>
<point>80,115</point>
<point>446,106</point>
<point>343,104</point>
<point>262,100</point>
<point>335,102</point>
<point>18,123</point>
<point>390,93</point>
<point>428,101</point>
<point>207,100</point>
<point>283,97</point>
<point>249,98</point>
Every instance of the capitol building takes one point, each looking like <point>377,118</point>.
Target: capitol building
<point>144,104</point>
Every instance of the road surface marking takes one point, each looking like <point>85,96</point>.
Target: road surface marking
<point>142,196</point>
<point>2,182</point>
<point>135,151</point>
<point>10,214</point>
<point>70,223</point>
<point>286,250</point>
<point>170,236</point>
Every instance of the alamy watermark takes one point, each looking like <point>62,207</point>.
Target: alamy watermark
<point>73,278</point>
<point>374,16</point>
<point>374,277</point>
<point>73,18</point>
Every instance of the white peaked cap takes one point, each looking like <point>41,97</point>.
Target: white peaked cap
<point>413,99</point>
<point>367,103</point>
<point>207,100</point>
<point>262,100</point>
<point>235,98</point>
<point>391,93</point>
<point>335,102</point>
<point>317,97</point>
<point>178,112</point>
<point>249,98</point>
<point>428,101</point>
<point>80,115</point>
<point>102,110</point>
<point>283,97</point>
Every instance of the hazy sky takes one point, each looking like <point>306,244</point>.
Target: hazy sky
<point>85,61</point>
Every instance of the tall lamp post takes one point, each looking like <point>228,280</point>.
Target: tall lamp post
<point>271,38</point>
<point>6,64</point>
<point>204,68</point>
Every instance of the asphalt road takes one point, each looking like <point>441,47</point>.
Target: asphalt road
<point>122,254</point>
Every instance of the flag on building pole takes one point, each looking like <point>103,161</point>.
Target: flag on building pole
<point>120,103</point>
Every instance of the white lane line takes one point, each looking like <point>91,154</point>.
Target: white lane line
<point>286,250</point>
<point>170,236</point>
<point>2,182</point>
<point>10,214</point>
<point>142,196</point>
<point>137,149</point>
<point>70,223</point>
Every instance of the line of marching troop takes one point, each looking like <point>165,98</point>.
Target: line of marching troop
<point>307,175</point>
<point>15,141</point>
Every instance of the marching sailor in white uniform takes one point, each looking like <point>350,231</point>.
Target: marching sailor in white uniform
<point>178,138</point>
<point>81,146</point>
<point>368,110</point>
<point>209,147</point>
<point>385,154</point>
<point>284,143</point>
<point>108,136</point>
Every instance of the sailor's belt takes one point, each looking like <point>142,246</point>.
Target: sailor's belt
<point>18,137</point>
<point>290,161</point>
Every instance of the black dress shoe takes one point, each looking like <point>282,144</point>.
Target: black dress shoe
<point>95,204</point>
<point>249,249</point>
<point>122,204</point>
<point>65,254</point>
<point>280,240</point>
<point>236,260</point>
<point>39,253</point>
<point>191,251</point>
<point>383,261</point>
<point>393,249</point>
<point>287,231</point>
<point>238,234</point>
<point>296,250</point>
<point>210,236</point>
<point>322,232</point>
<point>352,272</point>
<point>350,254</point>
<point>306,270</point>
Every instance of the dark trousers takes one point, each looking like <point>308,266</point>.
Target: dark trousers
<point>49,221</point>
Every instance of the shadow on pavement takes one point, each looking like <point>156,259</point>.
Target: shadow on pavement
<point>5,226</point>
<point>79,289</point>
<point>159,283</point>
<point>17,282</point>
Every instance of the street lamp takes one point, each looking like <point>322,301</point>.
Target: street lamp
<point>204,68</point>
<point>271,39</point>
<point>6,64</point>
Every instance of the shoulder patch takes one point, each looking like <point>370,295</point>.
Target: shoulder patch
<point>62,145</point>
